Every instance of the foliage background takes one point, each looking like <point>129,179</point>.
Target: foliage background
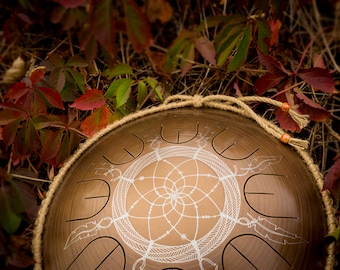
<point>70,67</point>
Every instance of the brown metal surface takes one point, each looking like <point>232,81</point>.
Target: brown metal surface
<point>186,189</point>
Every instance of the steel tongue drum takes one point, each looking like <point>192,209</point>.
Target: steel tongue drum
<point>184,188</point>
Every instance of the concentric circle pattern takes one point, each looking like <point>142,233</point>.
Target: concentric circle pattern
<point>193,189</point>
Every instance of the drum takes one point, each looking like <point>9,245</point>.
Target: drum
<point>183,187</point>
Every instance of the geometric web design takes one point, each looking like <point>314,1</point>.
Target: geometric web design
<point>176,204</point>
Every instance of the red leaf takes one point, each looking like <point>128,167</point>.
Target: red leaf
<point>318,78</point>
<point>98,120</point>
<point>51,146</point>
<point>307,106</point>
<point>266,82</point>
<point>272,64</point>
<point>37,74</point>
<point>9,132</point>
<point>102,23</point>
<point>284,119</point>
<point>137,25</point>
<point>52,96</point>
<point>71,3</point>
<point>333,175</point>
<point>206,49</point>
<point>17,91</point>
<point>92,99</point>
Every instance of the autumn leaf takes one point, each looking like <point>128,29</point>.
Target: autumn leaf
<point>51,146</point>
<point>333,176</point>
<point>319,78</point>
<point>17,91</point>
<point>37,74</point>
<point>102,23</point>
<point>272,64</point>
<point>92,99</point>
<point>137,25</point>
<point>266,82</point>
<point>52,96</point>
<point>284,119</point>
<point>308,107</point>
<point>98,120</point>
<point>206,49</point>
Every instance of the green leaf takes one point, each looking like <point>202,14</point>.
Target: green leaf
<point>264,35</point>
<point>9,221</point>
<point>76,61</point>
<point>172,59</point>
<point>123,92</point>
<point>241,54</point>
<point>155,86</point>
<point>119,69</point>
<point>114,86</point>
<point>234,21</point>
<point>228,45</point>
<point>77,77</point>
<point>138,27</point>
<point>213,21</point>
<point>142,92</point>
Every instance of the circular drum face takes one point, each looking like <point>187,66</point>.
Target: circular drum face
<point>186,189</point>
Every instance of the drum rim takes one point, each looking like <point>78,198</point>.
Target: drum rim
<point>225,103</point>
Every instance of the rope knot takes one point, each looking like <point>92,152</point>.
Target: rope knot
<point>197,101</point>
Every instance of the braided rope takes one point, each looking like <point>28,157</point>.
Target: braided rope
<point>227,103</point>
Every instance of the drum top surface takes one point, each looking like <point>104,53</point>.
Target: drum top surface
<point>186,189</point>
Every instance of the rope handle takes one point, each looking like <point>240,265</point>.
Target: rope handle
<point>229,102</point>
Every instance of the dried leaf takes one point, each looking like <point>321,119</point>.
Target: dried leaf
<point>92,99</point>
<point>98,120</point>
<point>206,49</point>
<point>319,78</point>
<point>138,28</point>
